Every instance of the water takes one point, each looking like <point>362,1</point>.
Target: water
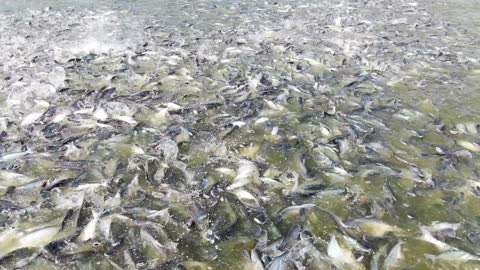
<point>239,135</point>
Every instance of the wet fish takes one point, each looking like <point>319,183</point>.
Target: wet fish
<point>394,257</point>
<point>131,142</point>
<point>341,256</point>
<point>13,239</point>
<point>89,232</point>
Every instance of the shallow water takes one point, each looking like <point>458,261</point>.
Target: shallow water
<point>239,135</point>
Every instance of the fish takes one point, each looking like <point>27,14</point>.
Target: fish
<point>340,256</point>
<point>454,257</point>
<point>89,231</point>
<point>291,238</point>
<point>31,118</point>
<point>35,237</point>
<point>369,227</point>
<point>472,146</point>
<point>279,263</point>
<point>253,261</point>
<point>474,238</point>
<point>376,258</point>
<point>15,156</point>
<point>8,178</point>
<point>394,257</point>
<point>260,135</point>
<point>427,236</point>
<point>247,173</point>
<point>293,209</point>
<point>247,198</point>
<point>168,148</point>
<point>68,216</point>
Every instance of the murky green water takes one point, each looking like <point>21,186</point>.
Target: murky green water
<point>239,135</point>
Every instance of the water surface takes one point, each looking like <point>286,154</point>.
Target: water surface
<point>239,134</point>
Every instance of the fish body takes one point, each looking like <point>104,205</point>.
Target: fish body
<point>89,232</point>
